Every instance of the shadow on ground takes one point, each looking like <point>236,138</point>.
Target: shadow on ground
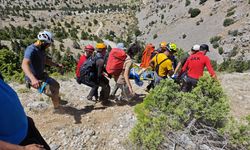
<point>77,113</point>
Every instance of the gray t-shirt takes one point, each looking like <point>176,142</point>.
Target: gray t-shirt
<point>37,60</point>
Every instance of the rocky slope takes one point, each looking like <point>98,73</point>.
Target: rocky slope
<point>88,126</point>
<point>84,125</point>
<point>171,22</point>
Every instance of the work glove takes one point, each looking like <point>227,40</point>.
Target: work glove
<point>174,76</point>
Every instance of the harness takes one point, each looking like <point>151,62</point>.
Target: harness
<point>158,64</point>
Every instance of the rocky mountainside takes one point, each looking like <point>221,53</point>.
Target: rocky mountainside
<point>88,126</point>
<point>171,21</point>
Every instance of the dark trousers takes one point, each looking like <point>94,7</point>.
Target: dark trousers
<point>150,85</point>
<point>188,84</point>
<point>33,136</point>
<point>104,84</point>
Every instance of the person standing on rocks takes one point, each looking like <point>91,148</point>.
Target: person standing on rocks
<point>17,131</point>
<point>195,66</point>
<point>33,66</point>
<point>101,80</point>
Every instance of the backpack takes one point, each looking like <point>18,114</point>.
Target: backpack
<point>82,59</point>
<point>87,71</point>
<point>115,61</point>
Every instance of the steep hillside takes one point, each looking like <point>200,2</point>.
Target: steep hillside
<point>84,126</point>
<point>170,21</point>
<point>69,20</point>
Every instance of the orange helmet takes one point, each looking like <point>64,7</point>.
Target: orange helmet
<point>163,44</point>
<point>100,46</point>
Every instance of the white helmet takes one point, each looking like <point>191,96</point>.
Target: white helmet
<point>45,36</point>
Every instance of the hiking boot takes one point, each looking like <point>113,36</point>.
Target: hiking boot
<point>112,97</point>
<point>106,103</point>
<point>63,102</point>
<point>59,110</point>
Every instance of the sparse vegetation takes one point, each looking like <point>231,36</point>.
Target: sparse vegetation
<point>215,41</point>
<point>220,50</point>
<point>155,36</point>
<point>228,22</point>
<point>194,12</point>
<point>187,3</point>
<point>184,36</point>
<point>168,112</point>
<point>202,2</point>
<point>233,33</point>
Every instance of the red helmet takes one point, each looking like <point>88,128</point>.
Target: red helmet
<point>89,48</point>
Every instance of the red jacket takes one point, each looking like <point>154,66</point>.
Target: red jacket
<point>195,65</point>
<point>82,59</point>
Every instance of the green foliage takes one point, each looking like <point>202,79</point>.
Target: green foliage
<point>10,66</point>
<point>194,12</point>
<point>95,21</point>
<point>234,65</point>
<point>238,134</point>
<point>214,64</point>
<point>202,2</point>
<point>230,13</point>
<point>220,50</point>
<point>155,36</point>
<point>233,33</point>
<point>233,52</point>
<point>187,3</point>
<point>180,53</point>
<point>166,109</point>
<point>228,22</point>
<point>137,32</point>
<point>215,41</point>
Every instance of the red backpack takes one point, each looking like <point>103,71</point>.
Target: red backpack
<point>115,61</point>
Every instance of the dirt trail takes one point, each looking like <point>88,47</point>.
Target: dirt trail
<point>84,126</point>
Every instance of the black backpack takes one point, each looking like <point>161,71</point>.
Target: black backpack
<point>87,71</point>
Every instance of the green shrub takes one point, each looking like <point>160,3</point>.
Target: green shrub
<point>214,64</point>
<point>215,39</point>
<point>220,50</point>
<point>228,22</point>
<point>233,52</point>
<point>10,66</point>
<point>167,110</point>
<point>194,12</point>
<point>187,3</point>
<point>234,65</point>
<point>237,133</point>
<point>202,2</point>
<point>155,36</point>
<point>230,13</point>
<point>233,33</point>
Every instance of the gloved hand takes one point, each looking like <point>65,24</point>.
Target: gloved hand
<point>174,76</point>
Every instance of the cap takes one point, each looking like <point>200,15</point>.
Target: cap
<point>196,47</point>
<point>121,46</point>
<point>204,47</point>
